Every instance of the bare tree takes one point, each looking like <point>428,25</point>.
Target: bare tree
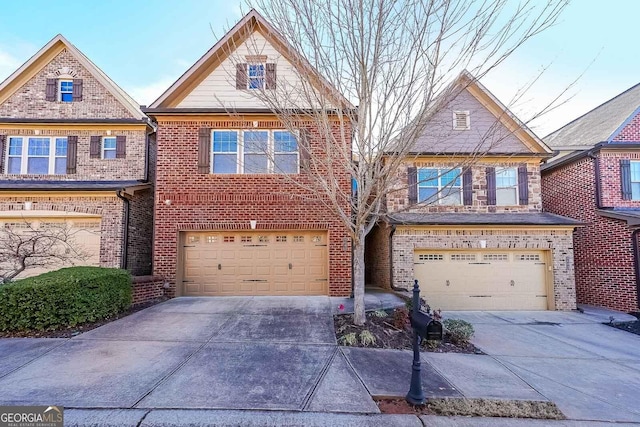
<point>390,63</point>
<point>24,247</point>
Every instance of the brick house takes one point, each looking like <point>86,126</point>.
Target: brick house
<point>233,215</point>
<point>466,218</point>
<point>596,179</point>
<point>75,152</point>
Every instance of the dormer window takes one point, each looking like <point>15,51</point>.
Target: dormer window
<point>66,90</point>
<point>256,76</point>
<point>461,120</point>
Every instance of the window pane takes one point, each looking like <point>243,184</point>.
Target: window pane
<point>286,163</point>
<point>38,165</point>
<point>109,154</point>
<point>15,146</point>
<point>109,143</point>
<point>450,196</point>
<point>38,146</point>
<point>225,141</point>
<point>66,86</point>
<point>506,196</point>
<point>61,146</point>
<point>66,97</point>
<point>506,178</point>
<point>256,76</point>
<point>61,166</point>
<point>428,177</point>
<point>450,178</point>
<point>427,194</point>
<point>256,142</point>
<point>635,171</point>
<point>224,163</point>
<point>255,163</point>
<point>285,142</point>
<point>635,190</point>
<point>14,164</point>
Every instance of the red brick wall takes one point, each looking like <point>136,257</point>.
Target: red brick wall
<point>610,178</point>
<point>602,248</point>
<point>631,132</point>
<point>208,201</point>
<point>147,288</point>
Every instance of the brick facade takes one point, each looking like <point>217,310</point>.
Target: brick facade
<point>604,266</point>
<point>146,289</point>
<point>30,101</point>
<point>205,201</point>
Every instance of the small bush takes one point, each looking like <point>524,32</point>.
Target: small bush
<point>367,338</point>
<point>64,298</point>
<point>349,339</point>
<point>401,318</point>
<point>460,331</point>
<point>379,313</point>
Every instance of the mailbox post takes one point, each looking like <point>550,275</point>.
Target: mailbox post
<point>424,327</point>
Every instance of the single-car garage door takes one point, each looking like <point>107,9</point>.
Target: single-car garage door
<point>254,263</point>
<point>81,240</point>
<point>482,280</point>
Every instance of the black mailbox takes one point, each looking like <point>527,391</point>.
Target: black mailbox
<point>425,326</point>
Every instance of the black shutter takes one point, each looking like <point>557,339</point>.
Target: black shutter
<point>625,179</point>
<point>94,147</point>
<point>491,186</point>
<point>270,76</point>
<point>412,184</point>
<point>3,143</point>
<point>241,75</point>
<point>204,150</point>
<point>467,186</point>
<point>77,90</point>
<point>121,147</point>
<point>51,89</point>
<point>304,148</point>
<point>72,153</point>
<point>523,185</point>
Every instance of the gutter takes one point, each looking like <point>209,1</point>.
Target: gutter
<point>125,232</point>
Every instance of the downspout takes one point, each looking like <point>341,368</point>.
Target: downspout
<point>391,233</point>
<point>596,176</point>
<point>125,232</point>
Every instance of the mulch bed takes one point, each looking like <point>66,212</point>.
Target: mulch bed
<point>633,326</point>
<point>78,329</point>
<point>388,335</point>
<point>474,408</point>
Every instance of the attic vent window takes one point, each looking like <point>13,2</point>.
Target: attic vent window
<point>461,120</point>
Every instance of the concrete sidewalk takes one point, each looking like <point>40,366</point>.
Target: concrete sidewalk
<point>219,418</point>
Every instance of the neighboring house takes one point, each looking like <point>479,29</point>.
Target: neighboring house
<point>596,180</point>
<point>466,219</point>
<point>75,152</point>
<point>230,217</point>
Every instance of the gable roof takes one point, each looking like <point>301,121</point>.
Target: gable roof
<point>34,64</point>
<point>602,124</point>
<point>240,32</point>
<point>467,82</point>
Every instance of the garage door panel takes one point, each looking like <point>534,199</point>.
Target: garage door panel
<point>482,280</point>
<point>257,263</point>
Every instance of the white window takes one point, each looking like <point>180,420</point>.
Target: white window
<point>255,75</point>
<point>635,180</point>
<point>65,89</point>
<point>506,186</point>
<point>461,120</point>
<point>37,156</point>
<point>254,152</point>
<point>440,186</point>
<point>109,147</point>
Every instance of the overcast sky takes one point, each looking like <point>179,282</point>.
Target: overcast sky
<point>144,46</point>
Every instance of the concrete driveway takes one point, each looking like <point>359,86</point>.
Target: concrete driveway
<point>232,353</point>
<point>590,370</point>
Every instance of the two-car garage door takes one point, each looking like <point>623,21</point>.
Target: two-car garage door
<point>483,279</point>
<point>254,263</point>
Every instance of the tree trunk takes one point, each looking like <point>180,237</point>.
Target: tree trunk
<point>359,317</point>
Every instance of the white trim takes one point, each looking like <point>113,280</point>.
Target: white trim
<point>59,89</point>
<point>102,149</point>
<point>24,155</point>
<point>517,199</point>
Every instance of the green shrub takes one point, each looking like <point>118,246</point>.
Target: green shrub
<point>460,331</point>
<point>63,298</point>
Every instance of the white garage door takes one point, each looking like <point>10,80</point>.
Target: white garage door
<point>482,280</point>
<point>82,245</point>
<point>255,263</point>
